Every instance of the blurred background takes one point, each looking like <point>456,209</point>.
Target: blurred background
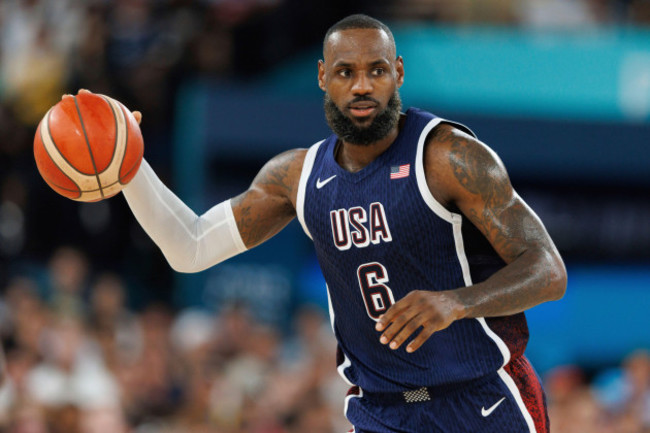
<point>101,336</point>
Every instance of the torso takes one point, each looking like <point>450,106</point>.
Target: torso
<point>379,233</point>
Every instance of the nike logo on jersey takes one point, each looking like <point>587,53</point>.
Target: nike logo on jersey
<point>320,184</point>
<point>487,412</point>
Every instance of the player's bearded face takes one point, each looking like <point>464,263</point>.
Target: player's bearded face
<point>380,127</point>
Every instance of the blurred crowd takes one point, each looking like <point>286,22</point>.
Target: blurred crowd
<point>80,360</point>
<point>86,350</point>
<point>555,14</point>
<point>614,400</point>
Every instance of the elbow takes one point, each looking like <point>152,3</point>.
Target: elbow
<point>184,267</point>
<point>558,278</point>
<point>181,268</point>
<point>181,264</point>
<point>185,258</point>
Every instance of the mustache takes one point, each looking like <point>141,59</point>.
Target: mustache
<point>364,98</point>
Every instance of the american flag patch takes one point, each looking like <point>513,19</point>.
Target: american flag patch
<point>400,171</point>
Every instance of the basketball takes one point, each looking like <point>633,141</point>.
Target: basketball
<point>88,147</point>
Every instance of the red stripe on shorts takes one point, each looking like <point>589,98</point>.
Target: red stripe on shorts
<point>531,391</point>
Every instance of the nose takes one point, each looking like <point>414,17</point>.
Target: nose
<point>362,85</point>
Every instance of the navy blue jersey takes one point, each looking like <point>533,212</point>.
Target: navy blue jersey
<point>379,234</point>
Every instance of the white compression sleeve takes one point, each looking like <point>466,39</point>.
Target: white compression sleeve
<point>190,243</point>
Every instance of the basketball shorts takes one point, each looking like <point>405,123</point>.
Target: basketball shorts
<point>510,400</point>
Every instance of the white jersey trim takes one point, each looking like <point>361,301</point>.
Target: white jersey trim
<point>421,179</point>
<point>341,369</point>
<point>329,306</point>
<point>307,166</point>
<point>347,403</point>
<point>457,222</point>
<point>512,386</point>
<point>346,361</point>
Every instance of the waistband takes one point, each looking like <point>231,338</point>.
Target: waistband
<point>425,393</point>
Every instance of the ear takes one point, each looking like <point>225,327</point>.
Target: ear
<point>399,70</point>
<point>321,75</point>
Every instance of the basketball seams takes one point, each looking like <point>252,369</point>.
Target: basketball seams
<point>59,160</point>
<point>135,167</point>
<point>116,134</point>
<point>105,187</point>
<point>126,146</point>
<point>92,157</point>
<point>113,169</point>
<point>61,163</point>
<point>42,144</point>
<point>58,151</point>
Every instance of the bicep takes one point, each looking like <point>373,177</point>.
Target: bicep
<point>269,203</point>
<point>475,180</point>
<point>512,227</point>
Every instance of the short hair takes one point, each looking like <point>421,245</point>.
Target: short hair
<point>358,21</point>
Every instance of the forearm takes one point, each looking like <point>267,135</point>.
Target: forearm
<point>190,243</point>
<point>535,277</point>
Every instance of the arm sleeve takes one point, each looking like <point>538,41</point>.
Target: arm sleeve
<point>190,243</point>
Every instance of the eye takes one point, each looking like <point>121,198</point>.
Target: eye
<point>345,73</point>
<point>378,71</point>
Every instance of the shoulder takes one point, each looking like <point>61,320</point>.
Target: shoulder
<point>281,174</point>
<point>289,160</point>
<point>455,160</point>
<point>444,135</point>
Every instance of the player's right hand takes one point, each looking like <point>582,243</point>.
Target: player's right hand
<point>421,310</point>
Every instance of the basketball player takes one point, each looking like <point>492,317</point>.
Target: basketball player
<point>430,256</point>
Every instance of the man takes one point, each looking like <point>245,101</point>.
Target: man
<point>429,254</point>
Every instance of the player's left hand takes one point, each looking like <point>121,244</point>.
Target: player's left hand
<point>136,114</point>
<point>431,311</point>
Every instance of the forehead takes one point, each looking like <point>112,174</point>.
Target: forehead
<point>351,44</point>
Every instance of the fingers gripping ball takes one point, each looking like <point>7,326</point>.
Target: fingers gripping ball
<point>88,147</point>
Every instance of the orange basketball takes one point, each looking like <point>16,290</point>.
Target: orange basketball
<point>88,147</point>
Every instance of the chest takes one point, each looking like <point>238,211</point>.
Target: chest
<point>370,211</point>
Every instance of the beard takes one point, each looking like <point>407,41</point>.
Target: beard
<point>380,127</point>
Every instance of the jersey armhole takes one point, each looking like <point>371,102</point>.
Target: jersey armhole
<point>428,198</point>
<point>420,176</point>
<point>307,166</point>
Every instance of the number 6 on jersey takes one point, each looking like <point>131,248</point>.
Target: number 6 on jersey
<point>377,296</point>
